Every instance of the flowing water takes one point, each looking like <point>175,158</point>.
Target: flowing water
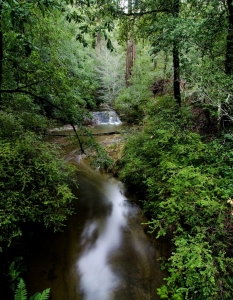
<point>106,117</point>
<point>103,253</point>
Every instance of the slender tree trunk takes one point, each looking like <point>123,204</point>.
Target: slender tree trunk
<point>79,141</point>
<point>229,47</point>
<point>1,52</point>
<point>128,61</point>
<point>130,6</point>
<point>98,40</point>
<point>176,58</point>
<point>98,43</point>
<point>228,63</point>
<point>129,50</point>
<point>176,71</point>
<point>133,53</point>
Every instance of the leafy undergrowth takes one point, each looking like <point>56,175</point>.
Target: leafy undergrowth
<point>188,185</point>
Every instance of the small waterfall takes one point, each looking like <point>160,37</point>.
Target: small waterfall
<point>106,117</point>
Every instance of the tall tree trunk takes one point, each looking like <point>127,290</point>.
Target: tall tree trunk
<point>1,51</point>
<point>229,46</point>
<point>130,6</point>
<point>131,50</point>
<point>176,72</point>
<point>98,43</point>
<point>176,58</point>
<point>128,61</point>
<point>133,53</point>
<point>130,58</point>
<point>128,50</point>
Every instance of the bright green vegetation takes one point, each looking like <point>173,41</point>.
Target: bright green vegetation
<point>180,161</point>
<point>40,82</point>
<point>21,293</point>
<point>131,101</point>
<point>187,185</point>
<point>18,286</point>
<point>47,79</point>
<point>34,183</point>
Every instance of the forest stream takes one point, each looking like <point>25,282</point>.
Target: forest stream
<point>103,252</point>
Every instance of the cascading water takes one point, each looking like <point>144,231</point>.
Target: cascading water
<point>106,117</point>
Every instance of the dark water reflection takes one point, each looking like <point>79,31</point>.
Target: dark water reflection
<point>103,253</point>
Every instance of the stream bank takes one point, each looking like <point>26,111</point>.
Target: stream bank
<point>103,253</point>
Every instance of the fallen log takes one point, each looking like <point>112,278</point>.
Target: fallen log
<point>94,134</point>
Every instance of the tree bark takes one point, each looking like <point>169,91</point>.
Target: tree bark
<point>133,53</point>
<point>79,141</point>
<point>99,43</point>
<point>129,50</point>
<point>128,61</point>
<point>176,58</point>
<point>176,72</point>
<point>229,46</point>
<point>1,51</point>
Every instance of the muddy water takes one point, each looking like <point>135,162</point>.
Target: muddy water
<point>103,253</point>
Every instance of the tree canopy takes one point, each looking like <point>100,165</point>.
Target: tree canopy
<point>167,67</point>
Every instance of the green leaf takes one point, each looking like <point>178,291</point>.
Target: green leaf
<point>21,292</point>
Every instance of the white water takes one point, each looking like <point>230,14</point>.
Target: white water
<point>103,253</point>
<point>101,238</point>
<point>106,117</point>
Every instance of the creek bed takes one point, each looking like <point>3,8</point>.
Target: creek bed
<point>103,252</point>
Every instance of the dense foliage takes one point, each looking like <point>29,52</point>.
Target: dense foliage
<point>184,179</point>
<point>187,185</point>
<point>131,100</point>
<point>34,182</point>
<point>47,79</point>
<point>109,69</point>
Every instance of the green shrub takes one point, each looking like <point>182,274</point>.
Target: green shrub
<point>33,183</point>
<point>188,187</point>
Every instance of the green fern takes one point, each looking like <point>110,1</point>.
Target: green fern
<point>45,294</point>
<point>21,292</point>
<point>16,270</point>
<point>41,296</point>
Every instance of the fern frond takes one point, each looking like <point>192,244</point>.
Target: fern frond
<point>35,296</point>
<point>41,296</point>
<point>21,292</point>
<point>45,295</point>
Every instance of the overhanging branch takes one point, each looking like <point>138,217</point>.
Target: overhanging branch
<point>20,90</point>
